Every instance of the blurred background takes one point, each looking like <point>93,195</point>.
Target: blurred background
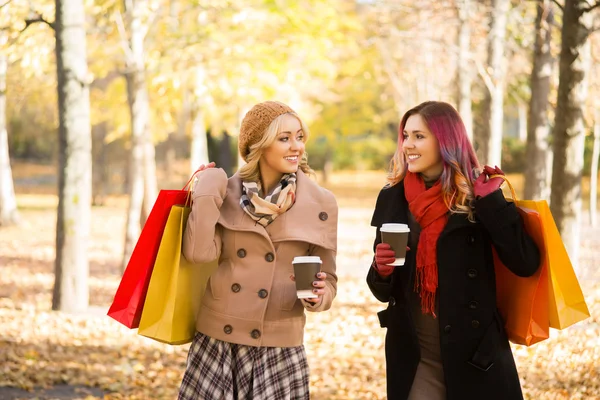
<point>122,98</point>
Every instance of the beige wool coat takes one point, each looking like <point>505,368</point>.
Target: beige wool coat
<point>250,298</point>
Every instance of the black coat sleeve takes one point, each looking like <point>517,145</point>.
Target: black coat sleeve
<point>502,221</point>
<point>380,287</point>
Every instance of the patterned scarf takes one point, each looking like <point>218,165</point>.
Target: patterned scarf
<point>430,211</point>
<point>264,209</point>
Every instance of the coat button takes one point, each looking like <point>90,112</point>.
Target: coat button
<point>323,216</point>
<point>471,239</point>
<point>236,287</point>
<point>475,324</point>
<point>262,293</point>
<point>392,301</point>
<point>472,273</point>
<point>241,253</point>
<point>255,334</point>
<point>269,257</point>
<point>447,328</point>
<point>473,305</point>
<point>228,329</point>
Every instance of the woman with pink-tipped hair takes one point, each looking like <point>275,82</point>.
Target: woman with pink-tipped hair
<point>445,338</point>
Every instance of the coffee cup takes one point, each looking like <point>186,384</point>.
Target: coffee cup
<point>306,269</point>
<point>396,235</point>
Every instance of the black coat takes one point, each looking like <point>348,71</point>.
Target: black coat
<point>476,356</point>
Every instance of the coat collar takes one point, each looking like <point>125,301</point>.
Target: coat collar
<point>312,218</point>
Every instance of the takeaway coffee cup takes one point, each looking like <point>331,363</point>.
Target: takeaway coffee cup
<point>305,272</point>
<point>396,235</point>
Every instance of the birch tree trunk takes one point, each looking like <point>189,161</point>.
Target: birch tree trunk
<point>75,159</point>
<point>139,106</point>
<point>569,129</point>
<point>491,144</point>
<point>464,71</point>
<point>199,143</point>
<point>538,155</point>
<point>594,172</point>
<point>9,214</point>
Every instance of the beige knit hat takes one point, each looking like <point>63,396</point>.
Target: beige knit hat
<point>256,122</point>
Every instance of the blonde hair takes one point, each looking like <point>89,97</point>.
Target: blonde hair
<point>250,171</point>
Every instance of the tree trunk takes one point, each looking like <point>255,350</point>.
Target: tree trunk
<point>569,129</point>
<point>75,159</point>
<point>538,155</point>
<point>199,144</point>
<point>522,111</point>
<point>225,157</point>
<point>139,107</point>
<point>100,173</point>
<point>464,71</point>
<point>594,171</point>
<point>8,201</point>
<point>491,144</point>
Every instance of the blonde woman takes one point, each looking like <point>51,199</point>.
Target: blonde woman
<point>249,343</point>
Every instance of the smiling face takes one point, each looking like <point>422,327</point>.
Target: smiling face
<point>284,154</point>
<point>421,149</point>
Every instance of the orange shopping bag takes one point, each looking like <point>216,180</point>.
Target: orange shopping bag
<point>523,302</point>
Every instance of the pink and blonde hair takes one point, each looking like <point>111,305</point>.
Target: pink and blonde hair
<point>458,155</point>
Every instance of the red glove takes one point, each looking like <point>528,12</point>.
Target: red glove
<point>483,185</point>
<point>384,255</point>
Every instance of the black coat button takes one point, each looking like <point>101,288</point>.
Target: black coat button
<point>471,239</point>
<point>447,328</point>
<point>472,273</point>
<point>255,334</point>
<point>241,253</point>
<point>323,216</point>
<point>473,305</point>
<point>392,301</point>
<point>236,287</point>
<point>269,257</point>
<point>475,324</point>
<point>228,329</point>
<point>262,293</point>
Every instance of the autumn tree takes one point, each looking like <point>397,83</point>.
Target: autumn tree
<point>74,172</point>
<point>464,73</point>
<point>8,202</point>
<point>537,167</point>
<point>569,128</point>
<point>495,80</point>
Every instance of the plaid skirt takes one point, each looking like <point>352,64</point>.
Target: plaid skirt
<point>218,370</point>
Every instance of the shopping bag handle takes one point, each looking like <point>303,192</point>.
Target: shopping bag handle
<point>188,187</point>
<point>510,186</point>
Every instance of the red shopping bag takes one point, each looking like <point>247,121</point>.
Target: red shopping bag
<point>129,299</point>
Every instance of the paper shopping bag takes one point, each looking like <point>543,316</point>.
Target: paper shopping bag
<point>176,287</point>
<point>129,299</point>
<point>566,304</point>
<point>523,301</point>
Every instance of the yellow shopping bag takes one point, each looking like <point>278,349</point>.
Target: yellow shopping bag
<point>567,305</point>
<point>176,287</point>
<point>565,298</point>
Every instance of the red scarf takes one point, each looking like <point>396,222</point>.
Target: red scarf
<point>430,211</point>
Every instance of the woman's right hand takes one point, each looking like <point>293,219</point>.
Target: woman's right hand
<point>202,167</point>
<point>384,255</point>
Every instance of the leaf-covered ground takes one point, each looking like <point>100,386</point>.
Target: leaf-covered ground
<point>51,355</point>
